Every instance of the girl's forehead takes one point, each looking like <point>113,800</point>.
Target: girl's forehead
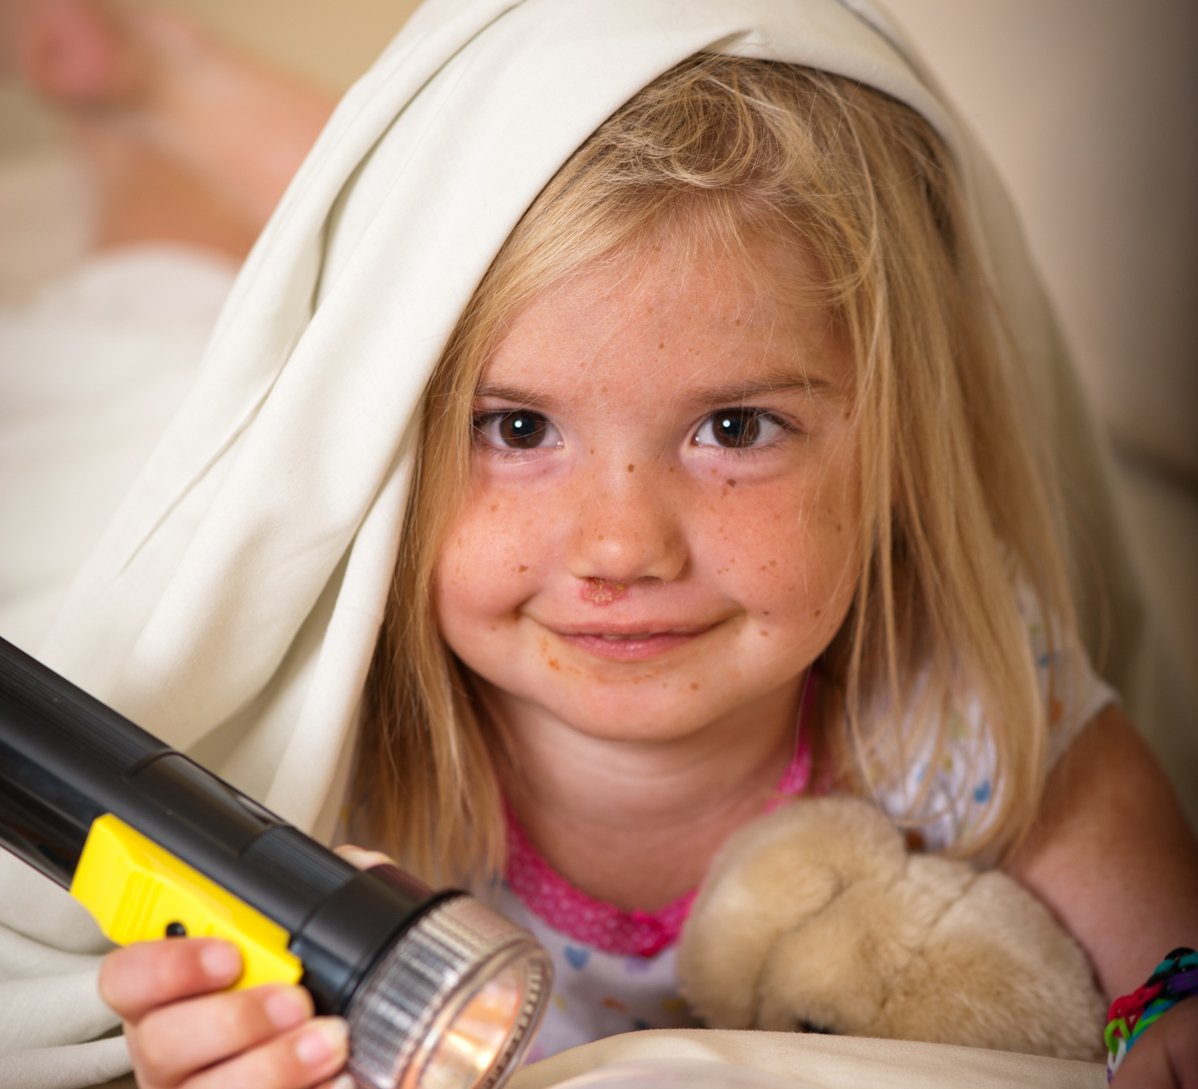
<point>706,313</point>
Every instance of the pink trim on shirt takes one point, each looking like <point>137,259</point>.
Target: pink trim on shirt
<point>604,926</point>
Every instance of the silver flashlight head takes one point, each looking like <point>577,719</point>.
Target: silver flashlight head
<point>453,1004</point>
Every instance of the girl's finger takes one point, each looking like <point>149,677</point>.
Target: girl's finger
<point>145,975</point>
<point>304,1057</point>
<point>175,1040</point>
<point>362,858</point>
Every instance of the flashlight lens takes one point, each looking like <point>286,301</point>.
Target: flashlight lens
<point>453,1005</point>
<point>475,1036</point>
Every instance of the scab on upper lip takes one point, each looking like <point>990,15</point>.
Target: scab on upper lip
<point>602,592</point>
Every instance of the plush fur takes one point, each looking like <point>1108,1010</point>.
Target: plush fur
<point>816,918</point>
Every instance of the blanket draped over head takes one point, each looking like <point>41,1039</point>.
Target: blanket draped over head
<point>234,602</point>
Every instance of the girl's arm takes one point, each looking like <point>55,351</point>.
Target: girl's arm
<point>1113,857</point>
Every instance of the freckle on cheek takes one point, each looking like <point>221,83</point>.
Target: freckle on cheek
<point>631,467</point>
<point>730,483</point>
<point>494,507</point>
<point>694,686</point>
<point>553,664</point>
<point>522,567</point>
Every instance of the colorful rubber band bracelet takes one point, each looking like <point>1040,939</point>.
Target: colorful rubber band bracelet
<point>1175,978</point>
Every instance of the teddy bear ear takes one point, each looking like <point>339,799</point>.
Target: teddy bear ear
<point>771,878</point>
<point>834,972</point>
<point>733,927</point>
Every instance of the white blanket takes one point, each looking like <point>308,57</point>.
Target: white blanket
<point>822,1062</point>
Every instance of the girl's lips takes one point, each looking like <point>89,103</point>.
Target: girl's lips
<point>635,647</point>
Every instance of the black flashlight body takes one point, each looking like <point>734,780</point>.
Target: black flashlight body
<point>66,760</point>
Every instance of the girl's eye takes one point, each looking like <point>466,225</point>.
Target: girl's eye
<point>738,429</point>
<point>517,430</point>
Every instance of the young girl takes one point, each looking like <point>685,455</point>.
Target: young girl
<point>714,475</point>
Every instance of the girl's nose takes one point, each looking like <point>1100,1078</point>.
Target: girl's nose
<point>626,527</point>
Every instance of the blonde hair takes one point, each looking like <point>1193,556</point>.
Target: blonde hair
<point>956,498</point>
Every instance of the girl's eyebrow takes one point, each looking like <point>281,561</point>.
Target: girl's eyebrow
<point>522,397</point>
<point>789,382</point>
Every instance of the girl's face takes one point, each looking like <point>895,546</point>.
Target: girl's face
<point>661,530</point>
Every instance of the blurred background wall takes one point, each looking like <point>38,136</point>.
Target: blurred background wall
<point>1088,107</point>
<point>1090,110</point>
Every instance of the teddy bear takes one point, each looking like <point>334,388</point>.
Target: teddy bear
<point>816,918</point>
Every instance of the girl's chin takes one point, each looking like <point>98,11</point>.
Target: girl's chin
<point>648,708</point>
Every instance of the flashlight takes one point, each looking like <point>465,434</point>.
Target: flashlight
<point>439,991</point>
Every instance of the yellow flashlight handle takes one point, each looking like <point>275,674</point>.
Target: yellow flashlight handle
<point>139,892</point>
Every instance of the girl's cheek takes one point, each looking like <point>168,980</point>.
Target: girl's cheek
<point>489,560</point>
<point>788,541</point>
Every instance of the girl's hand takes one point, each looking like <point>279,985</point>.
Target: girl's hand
<point>1166,1056</point>
<point>186,1032</point>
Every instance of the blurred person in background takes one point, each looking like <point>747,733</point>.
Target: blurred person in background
<point>186,145</point>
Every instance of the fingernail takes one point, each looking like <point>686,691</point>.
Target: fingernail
<point>288,1006</point>
<point>346,1081</point>
<point>327,1037</point>
<point>220,960</point>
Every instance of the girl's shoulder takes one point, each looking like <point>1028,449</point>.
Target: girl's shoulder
<point>949,782</point>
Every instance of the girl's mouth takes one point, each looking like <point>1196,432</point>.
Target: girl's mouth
<point>631,646</point>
